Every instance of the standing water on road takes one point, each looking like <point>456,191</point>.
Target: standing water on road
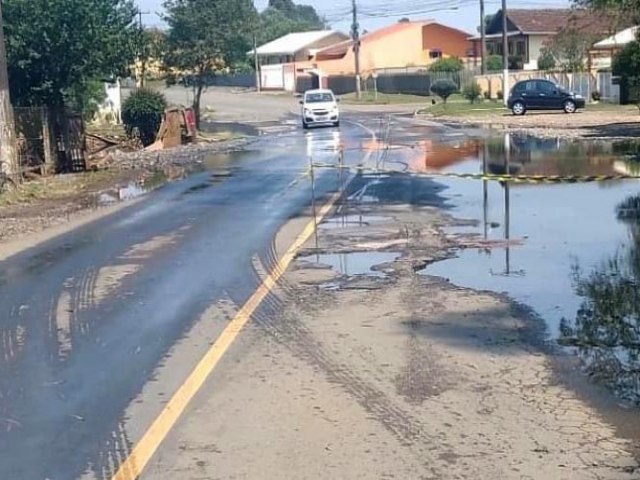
<point>570,251</point>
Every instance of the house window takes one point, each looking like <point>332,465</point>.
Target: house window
<point>435,54</point>
<point>520,49</point>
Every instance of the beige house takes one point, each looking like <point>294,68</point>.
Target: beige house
<point>528,31</point>
<point>602,53</point>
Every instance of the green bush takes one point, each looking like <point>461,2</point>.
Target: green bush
<point>626,65</point>
<point>444,89</point>
<point>494,63</point>
<point>546,60</point>
<point>142,114</point>
<point>472,92</point>
<point>451,64</point>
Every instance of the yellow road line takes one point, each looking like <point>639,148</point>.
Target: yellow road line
<point>157,432</point>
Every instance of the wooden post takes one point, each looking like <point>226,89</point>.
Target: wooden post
<point>49,157</point>
<point>9,159</point>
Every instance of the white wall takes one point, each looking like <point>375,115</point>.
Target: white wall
<point>272,77</point>
<point>536,44</point>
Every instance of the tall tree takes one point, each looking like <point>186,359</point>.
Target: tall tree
<point>57,49</point>
<point>205,37</point>
<point>626,64</point>
<point>284,16</point>
<point>569,49</point>
<point>625,12</point>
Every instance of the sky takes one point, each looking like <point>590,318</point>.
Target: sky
<point>461,14</point>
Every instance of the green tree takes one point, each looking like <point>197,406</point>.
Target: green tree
<point>451,64</point>
<point>56,55</point>
<point>487,22</point>
<point>444,89</point>
<point>494,63</point>
<point>472,91</point>
<point>142,114</point>
<point>283,17</point>
<point>622,13</point>
<point>546,61</point>
<point>570,49</point>
<point>151,47</point>
<point>205,37</point>
<point>626,64</point>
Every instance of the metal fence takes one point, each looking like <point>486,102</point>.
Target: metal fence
<point>46,143</point>
<point>32,133</point>
<point>583,83</point>
<point>416,82</point>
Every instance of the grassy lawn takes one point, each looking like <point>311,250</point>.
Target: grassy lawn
<point>464,108</point>
<point>610,107</point>
<point>369,98</point>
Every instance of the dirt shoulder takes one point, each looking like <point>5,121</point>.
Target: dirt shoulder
<point>42,208</point>
<point>617,123</point>
<point>461,380</point>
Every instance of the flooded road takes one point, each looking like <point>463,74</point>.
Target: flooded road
<point>262,347</point>
<point>569,251</point>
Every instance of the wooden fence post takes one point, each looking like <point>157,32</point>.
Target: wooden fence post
<point>49,157</point>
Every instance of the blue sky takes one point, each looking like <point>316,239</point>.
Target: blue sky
<point>462,14</point>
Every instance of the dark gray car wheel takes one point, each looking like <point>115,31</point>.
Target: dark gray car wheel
<point>569,106</point>
<point>518,108</point>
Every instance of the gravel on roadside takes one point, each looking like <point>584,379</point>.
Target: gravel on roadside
<point>584,124</point>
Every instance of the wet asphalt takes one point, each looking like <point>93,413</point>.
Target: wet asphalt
<point>69,369</point>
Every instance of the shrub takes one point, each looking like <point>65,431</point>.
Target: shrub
<point>444,89</point>
<point>626,65</point>
<point>494,63</point>
<point>142,113</point>
<point>472,92</point>
<point>499,95</point>
<point>487,95</point>
<point>451,64</point>
<point>546,61</point>
<point>595,96</point>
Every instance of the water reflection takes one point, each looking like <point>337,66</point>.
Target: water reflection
<point>606,330</point>
<point>544,156</point>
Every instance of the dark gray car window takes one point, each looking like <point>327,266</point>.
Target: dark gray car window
<point>531,87</point>
<point>546,87</point>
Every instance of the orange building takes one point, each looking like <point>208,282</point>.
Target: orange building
<point>402,45</point>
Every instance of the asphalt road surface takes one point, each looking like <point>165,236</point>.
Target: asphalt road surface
<point>87,318</point>
<point>166,342</point>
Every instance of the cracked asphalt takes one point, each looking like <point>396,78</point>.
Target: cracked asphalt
<point>397,376</point>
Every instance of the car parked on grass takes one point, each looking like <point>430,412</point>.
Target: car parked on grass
<point>542,95</point>
<point>320,107</point>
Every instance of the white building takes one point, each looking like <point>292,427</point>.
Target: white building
<point>279,60</point>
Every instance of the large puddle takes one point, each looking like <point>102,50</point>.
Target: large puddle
<point>570,251</point>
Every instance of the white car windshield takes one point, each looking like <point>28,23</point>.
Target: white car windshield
<point>318,98</point>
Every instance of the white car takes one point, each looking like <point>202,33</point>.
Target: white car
<point>320,107</point>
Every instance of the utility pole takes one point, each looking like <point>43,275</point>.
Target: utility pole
<point>483,41</point>
<point>505,54</point>
<point>8,156</point>
<point>257,63</point>
<point>141,46</point>
<point>355,33</point>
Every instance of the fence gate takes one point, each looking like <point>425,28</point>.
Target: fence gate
<point>72,146</point>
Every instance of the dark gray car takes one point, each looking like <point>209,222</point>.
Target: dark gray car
<point>542,95</point>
